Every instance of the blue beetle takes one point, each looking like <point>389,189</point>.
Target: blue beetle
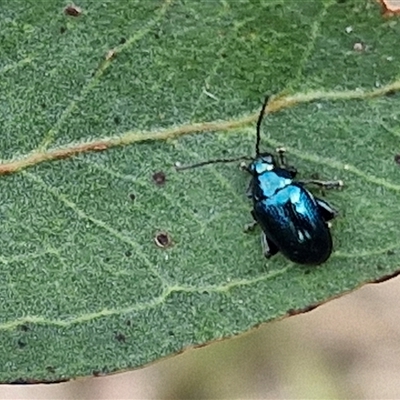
<point>292,219</point>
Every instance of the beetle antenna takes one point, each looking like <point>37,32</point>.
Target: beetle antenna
<point>215,161</point>
<point>259,121</point>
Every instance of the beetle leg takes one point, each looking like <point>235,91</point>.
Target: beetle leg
<point>281,156</point>
<point>249,190</point>
<point>250,227</point>
<point>283,162</point>
<point>323,184</point>
<point>327,212</point>
<point>269,248</point>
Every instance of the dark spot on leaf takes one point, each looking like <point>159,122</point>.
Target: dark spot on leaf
<point>390,252</point>
<point>128,322</point>
<point>51,369</point>
<point>24,327</point>
<point>63,29</point>
<point>156,35</point>
<point>379,267</point>
<point>122,40</point>
<point>159,178</point>
<point>107,259</point>
<point>397,159</point>
<point>163,240</point>
<point>224,55</point>
<point>117,120</point>
<point>391,93</point>
<point>21,344</point>
<point>170,333</point>
<point>132,196</point>
<point>307,271</point>
<point>120,337</point>
<point>73,10</point>
<point>128,253</point>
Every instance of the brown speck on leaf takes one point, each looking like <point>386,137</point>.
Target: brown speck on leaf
<point>100,147</point>
<point>397,159</point>
<point>73,10</point>
<point>163,240</point>
<point>159,178</point>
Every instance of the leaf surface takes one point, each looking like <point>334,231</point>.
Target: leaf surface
<point>96,109</point>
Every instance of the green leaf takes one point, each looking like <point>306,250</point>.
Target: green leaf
<point>95,109</point>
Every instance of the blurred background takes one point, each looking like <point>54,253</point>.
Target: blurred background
<point>347,348</point>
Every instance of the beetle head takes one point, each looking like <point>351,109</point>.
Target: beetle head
<point>263,163</point>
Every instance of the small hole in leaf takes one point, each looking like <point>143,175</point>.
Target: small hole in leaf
<point>159,178</point>
<point>128,253</point>
<point>132,196</point>
<point>21,344</point>
<point>122,40</point>
<point>163,240</point>
<point>63,29</point>
<point>107,259</point>
<point>117,120</point>
<point>397,159</point>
